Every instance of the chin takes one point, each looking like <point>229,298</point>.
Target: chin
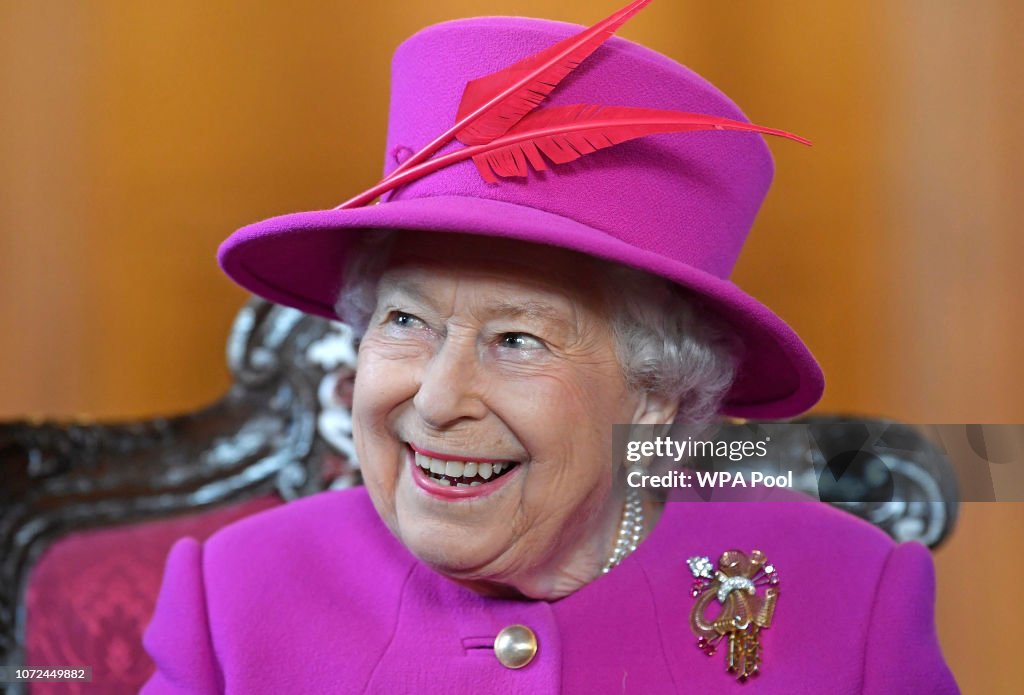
<point>452,559</point>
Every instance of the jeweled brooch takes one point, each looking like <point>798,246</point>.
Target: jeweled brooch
<point>744,610</point>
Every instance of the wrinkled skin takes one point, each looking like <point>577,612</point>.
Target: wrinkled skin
<point>497,349</point>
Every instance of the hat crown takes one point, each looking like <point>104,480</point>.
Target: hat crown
<point>691,197</point>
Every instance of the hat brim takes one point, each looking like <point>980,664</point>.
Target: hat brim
<point>297,260</point>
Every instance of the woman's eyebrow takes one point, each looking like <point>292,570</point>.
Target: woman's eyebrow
<point>522,309</point>
<point>530,309</point>
<point>409,290</point>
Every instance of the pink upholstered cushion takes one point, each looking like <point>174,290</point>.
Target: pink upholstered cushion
<point>92,594</point>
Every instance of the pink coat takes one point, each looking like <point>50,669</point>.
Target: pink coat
<point>318,597</point>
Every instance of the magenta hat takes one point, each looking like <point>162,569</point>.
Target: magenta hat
<point>678,205</point>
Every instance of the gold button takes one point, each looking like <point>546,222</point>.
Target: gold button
<point>515,646</point>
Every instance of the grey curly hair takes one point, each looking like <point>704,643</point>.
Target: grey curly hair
<point>666,344</point>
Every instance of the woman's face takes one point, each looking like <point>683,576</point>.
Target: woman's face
<point>485,396</point>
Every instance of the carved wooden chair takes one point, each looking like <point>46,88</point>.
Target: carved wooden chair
<point>89,512</point>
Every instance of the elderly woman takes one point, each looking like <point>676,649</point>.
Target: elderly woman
<point>514,306</point>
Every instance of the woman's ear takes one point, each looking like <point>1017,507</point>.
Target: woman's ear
<point>653,409</point>
<point>651,417</point>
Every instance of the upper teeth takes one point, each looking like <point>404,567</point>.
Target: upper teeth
<point>460,469</point>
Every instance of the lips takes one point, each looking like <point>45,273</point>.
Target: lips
<point>453,477</point>
<point>462,473</point>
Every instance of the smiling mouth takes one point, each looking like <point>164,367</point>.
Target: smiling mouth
<point>462,473</point>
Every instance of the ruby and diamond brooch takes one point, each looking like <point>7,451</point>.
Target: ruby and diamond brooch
<point>743,588</point>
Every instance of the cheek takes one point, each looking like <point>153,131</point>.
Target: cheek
<point>382,385</point>
<point>381,388</point>
<point>572,407</point>
<point>565,421</point>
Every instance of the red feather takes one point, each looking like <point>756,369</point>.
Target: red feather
<point>493,104</point>
<point>563,134</point>
<point>566,133</point>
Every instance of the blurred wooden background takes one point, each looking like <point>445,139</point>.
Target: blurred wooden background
<point>135,136</point>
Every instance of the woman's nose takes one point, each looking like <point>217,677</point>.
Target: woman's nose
<point>449,388</point>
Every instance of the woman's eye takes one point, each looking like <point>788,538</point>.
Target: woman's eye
<point>404,320</point>
<point>521,341</point>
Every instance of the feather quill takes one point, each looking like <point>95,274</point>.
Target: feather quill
<point>494,103</point>
<point>508,95</point>
<point>564,134</point>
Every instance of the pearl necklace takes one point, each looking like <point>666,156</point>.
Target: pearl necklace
<point>631,528</point>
